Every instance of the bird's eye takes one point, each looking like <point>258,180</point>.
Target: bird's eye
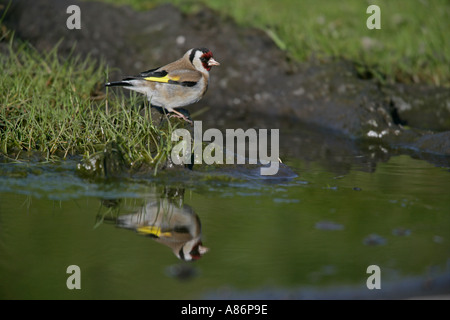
<point>195,252</point>
<point>205,57</point>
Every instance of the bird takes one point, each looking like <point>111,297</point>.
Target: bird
<point>177,84</point>
<point>167,222</point>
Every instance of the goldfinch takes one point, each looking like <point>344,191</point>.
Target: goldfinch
<point>176,84</point>
<point>179,228</point>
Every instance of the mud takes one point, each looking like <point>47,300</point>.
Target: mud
<point>257,84</point>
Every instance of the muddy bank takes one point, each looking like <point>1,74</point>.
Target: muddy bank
<point>257,84</point>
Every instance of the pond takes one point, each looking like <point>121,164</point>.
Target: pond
<point>312,233</point>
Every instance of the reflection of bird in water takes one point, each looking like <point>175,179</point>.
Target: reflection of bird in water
<point>177,227</point>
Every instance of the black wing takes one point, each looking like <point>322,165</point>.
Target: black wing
<point>153,73</point>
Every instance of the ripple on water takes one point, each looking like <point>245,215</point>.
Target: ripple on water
<point>374,240</point>
<point>329,225</point>
<point>401,232</point>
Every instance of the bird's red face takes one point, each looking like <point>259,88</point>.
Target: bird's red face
<point>208,60</point>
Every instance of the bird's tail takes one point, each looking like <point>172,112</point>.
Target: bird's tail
<point>118,84</point>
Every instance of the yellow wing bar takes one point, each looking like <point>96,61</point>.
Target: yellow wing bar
<point>164,79</point>
<point>154,231</point>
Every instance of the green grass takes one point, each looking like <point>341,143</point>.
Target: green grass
<point>411,46</point>
<point>56,108</point>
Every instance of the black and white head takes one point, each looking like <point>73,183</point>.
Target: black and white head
<point>202,59</point>
<point>191,250</point>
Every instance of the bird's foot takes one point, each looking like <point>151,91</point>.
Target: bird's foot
<point>179,115</point>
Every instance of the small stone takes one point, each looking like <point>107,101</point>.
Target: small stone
<point>180,40</point>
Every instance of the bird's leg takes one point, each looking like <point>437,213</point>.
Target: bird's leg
<point>178,114</point>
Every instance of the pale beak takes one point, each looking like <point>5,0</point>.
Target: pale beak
<point>213,62</point>
<point>202,250</point>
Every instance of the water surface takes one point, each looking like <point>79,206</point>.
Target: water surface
<point>311,234</point>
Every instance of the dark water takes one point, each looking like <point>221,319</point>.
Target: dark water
<point>312,234</point>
